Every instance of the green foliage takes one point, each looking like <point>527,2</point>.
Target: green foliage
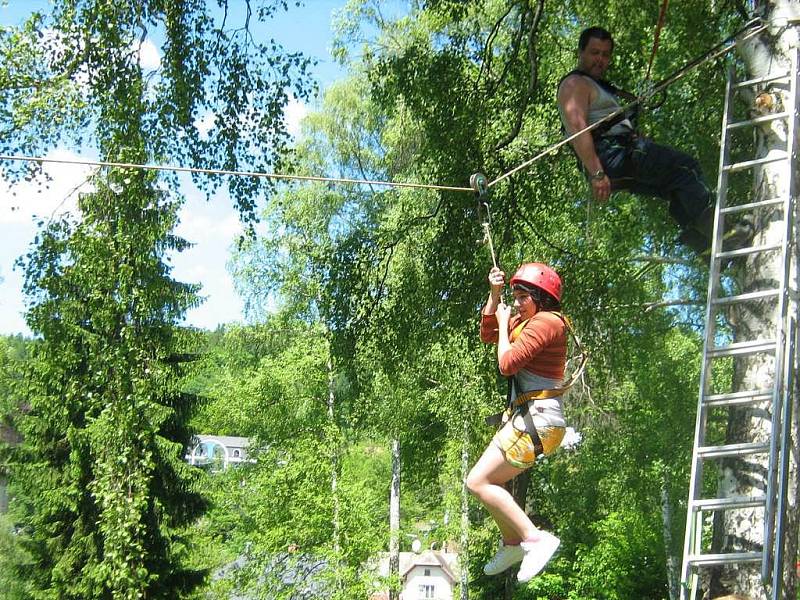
<point>60,75</point>
<point>395,275</point>
<point>41,101</point>
<point>102,495</point>
<point>377,292</point>
<point>100,485</point>
<point>14,352</point>
<point>15,560</point>
<point>275,516</point>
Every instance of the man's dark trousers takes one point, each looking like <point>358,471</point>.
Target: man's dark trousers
<point>640,166</point>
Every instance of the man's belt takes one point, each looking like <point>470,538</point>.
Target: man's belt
<point>623,138</point>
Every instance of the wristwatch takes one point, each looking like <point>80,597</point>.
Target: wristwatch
<point>597,175</point>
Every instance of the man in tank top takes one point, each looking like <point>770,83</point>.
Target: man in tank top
<point>614,157</point>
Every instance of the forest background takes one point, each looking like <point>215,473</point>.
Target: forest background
<point>363,302</point>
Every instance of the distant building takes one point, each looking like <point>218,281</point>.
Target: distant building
<point>218,452</point>
<point>429,575</point>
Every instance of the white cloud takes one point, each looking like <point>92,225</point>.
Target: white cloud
<point>22,201</point>
<point>149,56</point>
<point>205,123</point>
<point>293,114</point>
<point>201,227</point>
<point>212,226</point>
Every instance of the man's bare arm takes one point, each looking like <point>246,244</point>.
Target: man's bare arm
<point>574,98</point>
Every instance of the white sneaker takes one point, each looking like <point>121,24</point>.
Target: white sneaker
<point>506,556</point>
<point>537,554</point>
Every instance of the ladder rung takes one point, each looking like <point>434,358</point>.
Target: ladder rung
<point>750,250</point>
<point>758,120</point>
<point>742,348</point>
<point>746,297</point>
<point>710,504</point>
<point>729,558</point>
<point>760,80</point>
<point>741,166</point>
<point>750,205</point>
<point>731,450</point>
<point>738,398</point>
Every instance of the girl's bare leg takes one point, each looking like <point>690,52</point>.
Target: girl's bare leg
<point>485,481</point>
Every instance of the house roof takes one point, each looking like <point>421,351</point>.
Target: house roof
<point>226,440</point>
<point>429,558</point>
<point>447,561</point>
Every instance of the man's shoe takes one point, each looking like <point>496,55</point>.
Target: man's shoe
<point>537,555</point>
<point>506,556</point>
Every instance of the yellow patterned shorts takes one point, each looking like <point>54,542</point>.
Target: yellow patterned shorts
<point>517,445</point>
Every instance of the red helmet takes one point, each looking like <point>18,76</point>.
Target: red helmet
<point>540,276</point>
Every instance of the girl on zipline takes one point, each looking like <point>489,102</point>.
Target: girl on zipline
<point>531,352</point>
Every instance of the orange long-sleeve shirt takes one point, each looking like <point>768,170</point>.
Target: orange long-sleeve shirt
<point>540,348</point>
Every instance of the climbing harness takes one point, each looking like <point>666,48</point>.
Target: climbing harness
<point>543,394</point>
<point>521,401</point>
<point>631,113</point>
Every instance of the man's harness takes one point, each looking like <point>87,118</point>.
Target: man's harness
<point>519,405</point>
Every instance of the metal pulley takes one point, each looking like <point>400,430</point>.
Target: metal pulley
<point>480,186</point>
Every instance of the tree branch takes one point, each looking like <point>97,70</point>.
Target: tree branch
<point>487,47</point>
<point>532,80</point>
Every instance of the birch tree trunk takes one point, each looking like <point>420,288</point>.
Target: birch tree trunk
<point>334,454</point>
<point>743,529</point>
<point>464,557</point>
<point>673,567</point>
<point>335,450</point>
<point>394,518</point>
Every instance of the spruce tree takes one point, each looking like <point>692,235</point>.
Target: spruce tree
<point>101,495</point>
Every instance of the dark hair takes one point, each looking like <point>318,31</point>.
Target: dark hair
<point>544,300</point>
<point>593,32</point>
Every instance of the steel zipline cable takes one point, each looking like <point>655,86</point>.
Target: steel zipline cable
<point>198,170</point>
<point>752,28</point>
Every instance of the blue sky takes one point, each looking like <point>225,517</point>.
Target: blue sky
<point>212,226</point>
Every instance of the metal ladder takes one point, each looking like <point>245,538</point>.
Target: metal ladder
<point>696,554</point>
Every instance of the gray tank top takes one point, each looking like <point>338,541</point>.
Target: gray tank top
<point>604,104</point>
